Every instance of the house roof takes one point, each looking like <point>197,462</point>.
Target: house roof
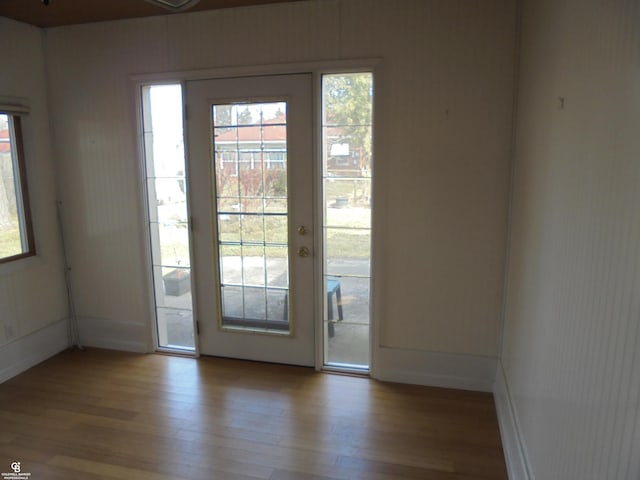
<point>5,146</point>
<point>272,130</point>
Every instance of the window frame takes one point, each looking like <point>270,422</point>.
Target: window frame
<point>22,191</point>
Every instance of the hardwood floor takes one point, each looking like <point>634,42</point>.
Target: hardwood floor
<point>111,415</point>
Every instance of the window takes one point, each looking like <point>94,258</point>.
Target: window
<point>168,216</point>
<point>347,128</point>
<point>16,233</point>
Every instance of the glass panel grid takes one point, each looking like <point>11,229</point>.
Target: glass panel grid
<point>250,158</point>
<point>168,216</point>
<point>347,171</point>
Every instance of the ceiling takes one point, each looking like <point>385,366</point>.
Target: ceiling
<point>72,12</point>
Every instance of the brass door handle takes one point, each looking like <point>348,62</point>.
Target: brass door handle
<point>302,230</point>
<point>303,252</point>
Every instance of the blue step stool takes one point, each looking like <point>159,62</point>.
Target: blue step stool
<point>333,288</point>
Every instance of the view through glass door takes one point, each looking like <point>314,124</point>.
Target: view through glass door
<point>168,216</point>
<point>251,169</point>
<point>250,162</point>
<point>347,170</point>
<point>250,150</point>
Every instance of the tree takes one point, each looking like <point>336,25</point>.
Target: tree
<point>348,108</point>
<point>245,117</point>
<point>223,115</point>
<point>348,119</point>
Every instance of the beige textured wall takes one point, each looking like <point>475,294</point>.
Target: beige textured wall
<point>32,293</point>
<point>572,329</point>
<point>441,167</point>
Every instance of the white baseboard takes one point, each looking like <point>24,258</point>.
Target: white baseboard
<point>113,334</point>
<point>513,445</point>
<point>26,352</point>
<point>435,369</point>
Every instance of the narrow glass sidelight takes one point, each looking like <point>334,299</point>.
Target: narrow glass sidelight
<point>347,160</point>
<point>166,184</point>
<point>251,200</point>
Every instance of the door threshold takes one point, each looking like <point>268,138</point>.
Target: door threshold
<point>176,353</point>
<point>346,369</point>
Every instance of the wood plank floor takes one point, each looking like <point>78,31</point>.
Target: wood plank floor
<point>110,415</point>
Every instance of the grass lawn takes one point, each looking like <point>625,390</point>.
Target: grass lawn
<point>347,233</point>
<point>340,243</point>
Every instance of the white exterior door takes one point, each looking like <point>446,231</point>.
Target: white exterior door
<point>250,154</point>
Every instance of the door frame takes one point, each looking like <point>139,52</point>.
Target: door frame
<point>316,69</point>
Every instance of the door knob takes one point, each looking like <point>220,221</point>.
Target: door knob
<point>303,252</point>
<point>302,230</point>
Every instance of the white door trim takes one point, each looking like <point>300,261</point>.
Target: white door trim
<point>316,68</point>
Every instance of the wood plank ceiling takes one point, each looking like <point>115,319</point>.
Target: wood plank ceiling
<point>72,12</point>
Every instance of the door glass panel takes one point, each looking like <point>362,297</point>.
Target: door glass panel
<point>348,344</point>
<point>347,105</point>
<point>277,267</point>
<point>175,331</point>
<point>250,155</point>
